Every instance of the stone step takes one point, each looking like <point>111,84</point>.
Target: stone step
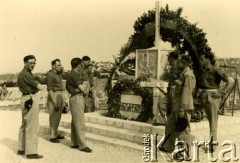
<point>146,127</point>
<point>201,135</point>
<point>95,137</point>
<point>201,132</point>
<point>123,124</point>
<point>96,118</point>
<point>113,132</point>
<point>133,131</point>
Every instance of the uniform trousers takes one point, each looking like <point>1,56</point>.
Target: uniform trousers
<point>211,102</point>
<point>28,133</point>
<point>78,127</point>
<point>55,112</point>
<point>171,134</point>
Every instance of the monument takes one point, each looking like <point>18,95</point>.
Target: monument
<point>151,63</point>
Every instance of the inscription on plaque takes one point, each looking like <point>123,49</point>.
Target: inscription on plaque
<point>130,105</point>
<point>147,64</point>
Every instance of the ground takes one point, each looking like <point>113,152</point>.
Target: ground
<point>57,153</point>
<point>102,153</point>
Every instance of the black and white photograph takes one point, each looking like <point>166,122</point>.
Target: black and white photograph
<point>113,81</point>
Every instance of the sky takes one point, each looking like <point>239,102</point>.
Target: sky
<point>65,29</point>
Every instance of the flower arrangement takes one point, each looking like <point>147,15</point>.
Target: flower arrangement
<point>114,98</point>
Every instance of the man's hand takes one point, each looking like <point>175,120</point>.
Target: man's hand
<point>86,87</point>
<point>39,87</point>
<point>223,94</point>
<point>178,82</point>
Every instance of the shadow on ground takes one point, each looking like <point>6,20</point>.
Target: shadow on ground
<point>11,144</point>
<point>62,141</point>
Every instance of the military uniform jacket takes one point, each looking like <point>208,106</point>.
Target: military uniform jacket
<point>185,86</point>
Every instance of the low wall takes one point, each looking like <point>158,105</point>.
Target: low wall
<point>14,95</point>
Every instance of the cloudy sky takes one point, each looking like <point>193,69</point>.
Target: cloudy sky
<point>72,28</point>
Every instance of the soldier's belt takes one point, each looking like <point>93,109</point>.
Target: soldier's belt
<point>57,91</point>
<point>208,90</point>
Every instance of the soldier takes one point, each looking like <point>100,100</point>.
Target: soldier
<point>89,98</point>
<point>209,79</point>
<point>28,133</point>
<point>86,60</point>
<point>55,99</point>
<point>173,75</point>
<point>76,102</point>
<point>182,107</point>
<point>84,72</point>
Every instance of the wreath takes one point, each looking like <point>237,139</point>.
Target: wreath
<point>174,28</point>
<point>114,98</point>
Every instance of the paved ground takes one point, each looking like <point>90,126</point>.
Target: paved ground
<point>61,153</point>
<point>57,153</point>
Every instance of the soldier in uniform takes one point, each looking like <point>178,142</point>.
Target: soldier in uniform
<point>89,98</point>
<point>28,133</point>
<point>76,102</point>
<point>86,60</point>
<point>209,79</point>
<point>182,107</point>
<point>55,99</point>
<point>84,72</point>
<point>173,75</point>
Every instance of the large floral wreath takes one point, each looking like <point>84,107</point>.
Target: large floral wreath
<point>174,28</point>
<point>114,97</point>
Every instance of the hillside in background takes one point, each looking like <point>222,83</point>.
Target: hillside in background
<point>105,67</point>
<point>8,77</point>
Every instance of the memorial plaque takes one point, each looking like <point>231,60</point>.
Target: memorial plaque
<point>131,105</point>
<point>146,66</point>
<point>150,63</point>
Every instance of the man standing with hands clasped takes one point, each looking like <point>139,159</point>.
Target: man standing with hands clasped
<point>76,87</point>
<point>28,133</point>
<point>55,99</point>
